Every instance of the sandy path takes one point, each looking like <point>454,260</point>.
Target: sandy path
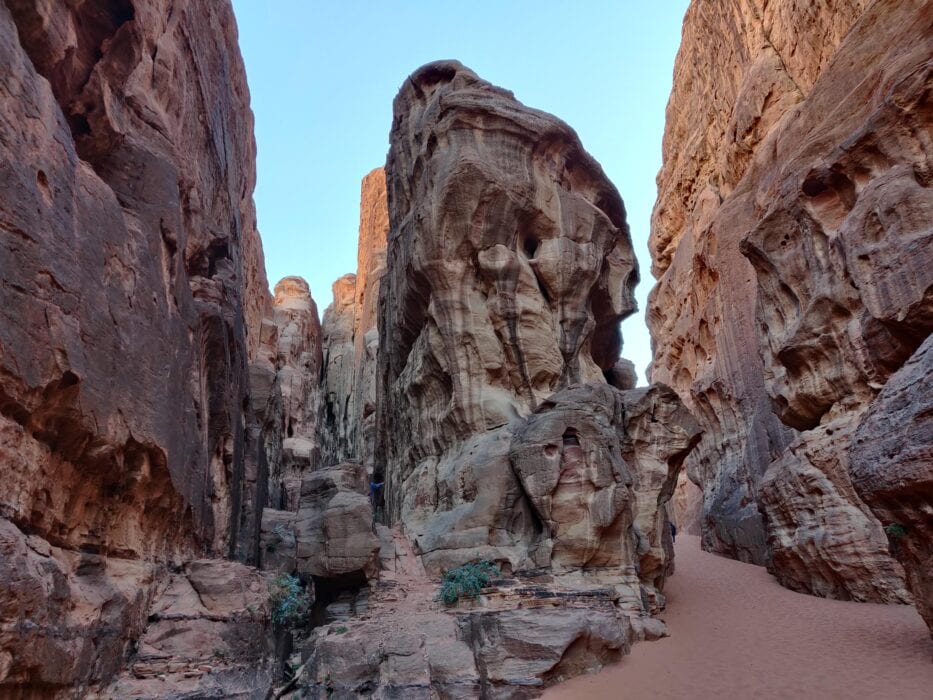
<point>735,633</point>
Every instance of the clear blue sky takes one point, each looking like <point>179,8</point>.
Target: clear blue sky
<point>322,76</point>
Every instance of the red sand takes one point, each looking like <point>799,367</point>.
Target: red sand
<point>735,633</point>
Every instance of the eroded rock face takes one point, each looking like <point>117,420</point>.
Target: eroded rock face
<point>504,430</point>
<point>286,392</point>
<point>331,534</point>
<point>823,538</point>
<point>208,636</point>
<point>765,161</point>
<point>742,65</point>
<point>67,616</point>
<point>891,465</point>
<point>353,337</point>
<point>509,268</point>
<point>131,269</point>
<point>589,459</point>
<point>843,247</point>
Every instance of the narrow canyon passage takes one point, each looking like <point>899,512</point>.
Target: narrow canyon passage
<point>736,633</point>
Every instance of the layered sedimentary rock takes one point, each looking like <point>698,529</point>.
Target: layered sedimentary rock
<point>748,244</point>
<point>352,337</point>
<point>509,268</point>
<point>208,636</point>
<point>331,533</point>
<point>131,269</point>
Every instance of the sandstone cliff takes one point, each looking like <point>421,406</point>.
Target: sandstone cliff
<point>843,255</point>
<point>509,268</point>
<point>485,376</point>
<point>351,337</point>
<point>741,66</point>
<point>788,150</point>
<point>473,366</point>
<point>132,271</point>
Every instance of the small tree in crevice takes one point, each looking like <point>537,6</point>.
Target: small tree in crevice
<point>290,601</point>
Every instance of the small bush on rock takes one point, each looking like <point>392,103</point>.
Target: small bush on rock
<point>895,531</point>
<point>290,601</point>
<point>467,580</point>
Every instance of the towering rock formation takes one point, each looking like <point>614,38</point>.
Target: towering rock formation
<point>793,214</point>
<point>286,391</point>
<point>131,271</point>
<point>508,271</point>
<point>741,66</point>
<point>843,253</point>
<point>352,339</point>
<point>499,436</point>
<point>474,368</point>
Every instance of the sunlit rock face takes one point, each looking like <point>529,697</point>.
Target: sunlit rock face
<point>843,256</point>
<point>791,241</point>
<point>509,268</point>
<point>742,66</point>
<point>352,337</point>
<point>132,286</point>
<point>506,427</point>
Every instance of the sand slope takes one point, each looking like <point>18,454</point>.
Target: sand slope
<point>735,633</point>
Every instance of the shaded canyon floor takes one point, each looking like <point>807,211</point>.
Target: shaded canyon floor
<point>736,633</point>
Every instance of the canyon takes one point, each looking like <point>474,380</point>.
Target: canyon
<point>212,491</point>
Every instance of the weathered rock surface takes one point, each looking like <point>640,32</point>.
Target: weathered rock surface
<point>208,636</point>
<point>843,249</point>
<point>823,539</point>
<point>286,393</point>
<point>66,617</point>
<point>352,337</point>
<point>742,65</point>
<point>519,637</point>
<point>331,534</point>
<point>509,267</point>
<point>799,164</point>
<point>503,430</point>
<point>891,463</point>
<point>132,283</point>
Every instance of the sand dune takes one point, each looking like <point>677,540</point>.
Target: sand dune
<point>735,633</point>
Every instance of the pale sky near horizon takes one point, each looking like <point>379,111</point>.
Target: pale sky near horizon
<point>322,76</point>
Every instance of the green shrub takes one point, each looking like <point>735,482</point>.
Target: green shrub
<point>290,601</point>
<point>895,531</point>
<point>467,580</point>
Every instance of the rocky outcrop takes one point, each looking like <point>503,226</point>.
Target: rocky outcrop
<point>352,337</point>
<point>509,268</point>
<point>286,392</point>
<point>131,274</point>
<point>208,636</point>
<point>67,615</point>
<point>506,429</point>
<point>823,538</point>
<point>331,535</point>
<point>748,240</point>
<point>843,247</point>
<point>891,465</point>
